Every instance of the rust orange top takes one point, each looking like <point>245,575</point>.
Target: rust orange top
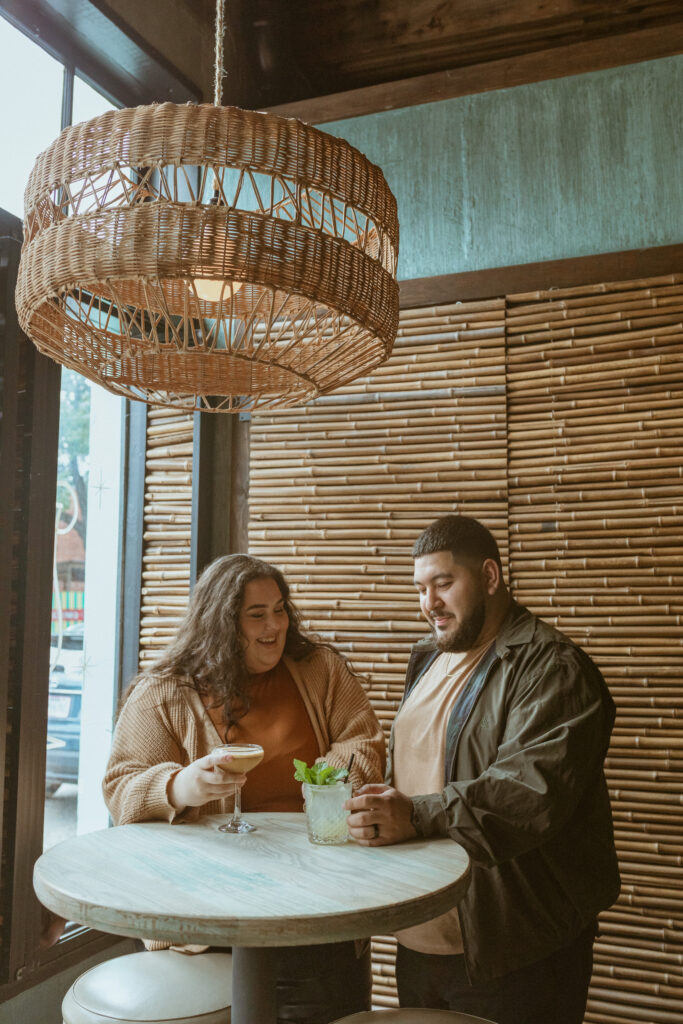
<point>278,721</point>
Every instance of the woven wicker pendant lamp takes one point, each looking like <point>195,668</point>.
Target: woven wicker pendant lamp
<point>207,257</point>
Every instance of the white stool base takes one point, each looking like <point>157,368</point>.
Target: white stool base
<point>159,987</point>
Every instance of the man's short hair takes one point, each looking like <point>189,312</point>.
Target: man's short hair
<point>467,540</point>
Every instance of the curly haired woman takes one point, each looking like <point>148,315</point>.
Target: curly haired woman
<point>241,670</point>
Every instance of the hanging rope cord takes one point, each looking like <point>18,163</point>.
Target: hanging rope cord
<point>219,73</point>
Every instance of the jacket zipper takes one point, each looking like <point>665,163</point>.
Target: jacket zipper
<point>451,766</point>
<point>450,779</point>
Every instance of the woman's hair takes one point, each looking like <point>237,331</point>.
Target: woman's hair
<point>208,647</point>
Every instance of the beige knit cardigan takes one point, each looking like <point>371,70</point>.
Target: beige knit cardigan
<point>164,726</point>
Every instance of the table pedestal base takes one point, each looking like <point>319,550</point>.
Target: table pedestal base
<point>253,985</point>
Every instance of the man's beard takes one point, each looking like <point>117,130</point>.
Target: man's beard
<point>466,636</point>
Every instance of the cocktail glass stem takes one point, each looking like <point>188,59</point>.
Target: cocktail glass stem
<point>237,807</point>
<point>237,822</point>
<point>245,757</point>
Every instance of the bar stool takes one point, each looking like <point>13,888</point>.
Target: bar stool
<point>409,1016</point>
<point>164,986</point>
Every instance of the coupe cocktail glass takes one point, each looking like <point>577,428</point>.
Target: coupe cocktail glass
<point>245,756</point>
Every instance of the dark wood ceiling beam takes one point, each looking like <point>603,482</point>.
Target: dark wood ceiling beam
<point>365,44</point>
<point>532,277</point>
<point>558,62</point>
<point>102,48</point>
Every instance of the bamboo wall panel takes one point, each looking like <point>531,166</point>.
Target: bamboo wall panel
<point>167,515</point>
<point>339,491</point>
<point>595,407</point>
<point>558,422</point>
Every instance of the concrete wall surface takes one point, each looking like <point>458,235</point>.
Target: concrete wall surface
<point>581,165</point>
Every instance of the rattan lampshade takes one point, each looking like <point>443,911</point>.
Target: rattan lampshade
<point>132,218</point>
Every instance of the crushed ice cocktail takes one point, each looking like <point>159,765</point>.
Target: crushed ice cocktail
<point>326,819</point>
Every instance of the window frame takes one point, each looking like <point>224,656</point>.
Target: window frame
<point>25,696</point>
<point>22,804</point>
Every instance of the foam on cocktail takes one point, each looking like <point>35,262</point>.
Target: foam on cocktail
<point>244,757</point>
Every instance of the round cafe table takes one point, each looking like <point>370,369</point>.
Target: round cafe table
<point>189,883</point>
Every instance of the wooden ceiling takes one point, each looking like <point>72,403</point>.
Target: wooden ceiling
<point>325,59</point>
<point>286,50</point>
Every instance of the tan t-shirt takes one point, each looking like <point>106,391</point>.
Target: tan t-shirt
<point>418,767</point>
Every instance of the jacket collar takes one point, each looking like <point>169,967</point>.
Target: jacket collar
<point>518,627</point>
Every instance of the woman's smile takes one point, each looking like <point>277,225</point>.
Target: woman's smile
<point>263,624</point>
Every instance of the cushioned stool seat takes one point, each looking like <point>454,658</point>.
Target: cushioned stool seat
<point>409,1016</point>
<point>153,987</point>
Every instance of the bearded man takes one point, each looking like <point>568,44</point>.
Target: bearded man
<point>499,744</point>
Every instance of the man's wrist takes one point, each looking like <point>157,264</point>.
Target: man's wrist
<point>428,817</point>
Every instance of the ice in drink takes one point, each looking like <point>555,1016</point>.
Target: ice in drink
<point>325,814</point>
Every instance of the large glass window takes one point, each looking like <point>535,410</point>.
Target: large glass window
<point>84,607</point>
<point>30,111</point>
<point>87,102</point>
<point>87,513</point>
<point>85,591</point>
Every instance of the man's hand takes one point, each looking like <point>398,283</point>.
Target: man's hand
<point>202,781</point>
<point>380,815</point>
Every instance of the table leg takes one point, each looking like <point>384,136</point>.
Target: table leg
<point>253,985</point>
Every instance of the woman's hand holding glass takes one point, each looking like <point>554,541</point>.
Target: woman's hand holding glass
<point>200,783</point>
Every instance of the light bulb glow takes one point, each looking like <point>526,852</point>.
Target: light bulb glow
<point>212,290</point>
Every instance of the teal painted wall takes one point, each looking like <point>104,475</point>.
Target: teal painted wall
<point>587,164</point>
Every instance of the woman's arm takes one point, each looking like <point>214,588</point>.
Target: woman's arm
<point>352,725</point>
<point>146,754</point>
<point>151,775</point>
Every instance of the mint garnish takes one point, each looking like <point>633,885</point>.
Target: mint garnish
<point>320,774</point>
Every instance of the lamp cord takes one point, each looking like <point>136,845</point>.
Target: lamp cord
<point>219,73</point>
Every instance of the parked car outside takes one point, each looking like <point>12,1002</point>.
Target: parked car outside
<point>68,654</point>
<point>64,709</point>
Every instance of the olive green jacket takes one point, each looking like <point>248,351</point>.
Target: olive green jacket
<point>525,795</point>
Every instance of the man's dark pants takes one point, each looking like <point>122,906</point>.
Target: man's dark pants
<point>550,991</point>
